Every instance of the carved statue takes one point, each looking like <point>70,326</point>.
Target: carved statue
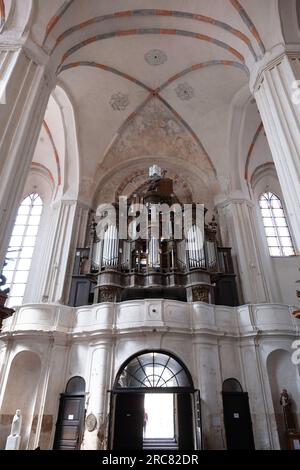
<point>286,404</point>
<point>155,171</point>
<point>284,398</point>
<point>155,175</point>
<point>16,424</point>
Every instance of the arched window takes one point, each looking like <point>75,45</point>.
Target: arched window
<point>231,386</point>
<point>21,248</point>
<point>76,385</point>
<point>276,227</point>
<point>153,370</point>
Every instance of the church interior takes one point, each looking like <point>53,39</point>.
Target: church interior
<point>126,328</point>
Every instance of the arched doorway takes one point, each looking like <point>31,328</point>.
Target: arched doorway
<point>237,417</point>
<point>70,419</point>
<point>154,405</point>
<point>21,393</point>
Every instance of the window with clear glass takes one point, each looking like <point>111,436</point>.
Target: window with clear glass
<point>276,227</point>
<point>21,246</point>
<point>153,370</point>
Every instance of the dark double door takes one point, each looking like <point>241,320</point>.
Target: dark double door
<point>70,422</point>
<point>129,419</point>
<point>237,420</point>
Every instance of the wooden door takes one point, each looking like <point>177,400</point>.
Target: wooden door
<point>185,421</point>
<point>128,421</point>
<point>198,420</point>
<point>237,420</point>
<point>70,422</point>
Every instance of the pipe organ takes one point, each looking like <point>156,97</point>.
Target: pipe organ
<point>150,261</point>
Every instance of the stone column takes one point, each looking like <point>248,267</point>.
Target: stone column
<point>252,262</point>
<point>38,412</point>
<point>264,436</point>
<point>210,385</point>
<point>68,226</point>
<point>277,95</point>
<point>98,402</point>
<point>24,93</point>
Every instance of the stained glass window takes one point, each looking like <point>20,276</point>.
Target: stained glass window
<point>276,228</point>
<point>21,248</point>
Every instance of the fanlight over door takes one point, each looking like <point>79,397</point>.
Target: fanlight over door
<point>153,370</point>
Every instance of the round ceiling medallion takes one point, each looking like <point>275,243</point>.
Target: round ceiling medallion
<point>184,91</point>
<point>119,101</point>
<point>156,57</point>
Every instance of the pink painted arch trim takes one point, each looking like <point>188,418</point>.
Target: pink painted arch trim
<point>45,169</point>
<point>155,12</point>
<point>143,31</point>
<point>2,13</point>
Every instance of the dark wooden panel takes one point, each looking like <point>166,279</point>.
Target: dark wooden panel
<point>237,420</point>
<point>68,433</point>
<point>185,421</point>
<point>70,421</point>
<point>80,291</point>
<point>226,291</point>
<point>129,420</point>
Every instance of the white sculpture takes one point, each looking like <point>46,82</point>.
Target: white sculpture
<point>155,171</point>
<point>16,424</point>
<point>14,439</point>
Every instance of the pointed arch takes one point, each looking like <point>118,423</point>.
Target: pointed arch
<point>155,31</point>
<point>151,12</point>
<point>56,18</point>
<point>248,22</point>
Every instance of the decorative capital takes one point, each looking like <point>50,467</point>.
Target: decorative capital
<point>271,59</point>
<point>201,294</point>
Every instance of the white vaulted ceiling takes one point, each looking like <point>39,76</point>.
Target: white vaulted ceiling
<point>121,60</point>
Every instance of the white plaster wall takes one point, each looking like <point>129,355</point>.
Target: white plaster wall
<point>285,269</point>
<point>254,385</point>
<point>208,371</point>
<point>230,360</point>
<point>214,342</point>
<point>288,277</point>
